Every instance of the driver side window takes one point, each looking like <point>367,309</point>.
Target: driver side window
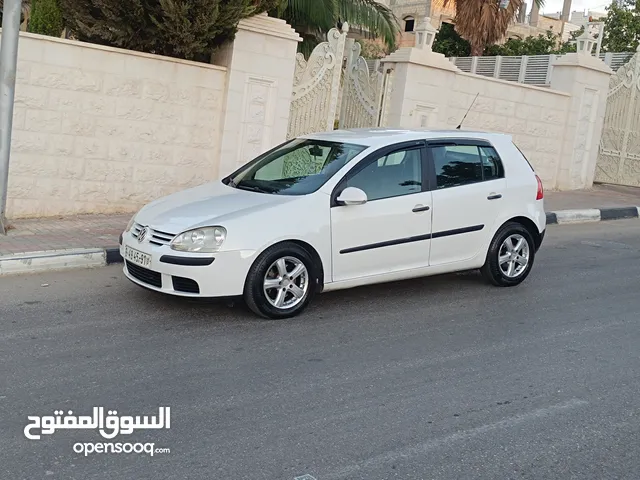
<point>398,173</point>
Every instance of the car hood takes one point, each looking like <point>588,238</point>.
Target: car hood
<point>205,205</point>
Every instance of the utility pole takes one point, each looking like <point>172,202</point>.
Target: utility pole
<point>8,63</point>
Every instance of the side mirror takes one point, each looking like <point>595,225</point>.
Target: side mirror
<point>352,196</point>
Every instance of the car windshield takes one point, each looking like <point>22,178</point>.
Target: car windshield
<point>298,167</point>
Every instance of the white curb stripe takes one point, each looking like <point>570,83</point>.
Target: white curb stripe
<point>52,260</point>
<point>578,216</point>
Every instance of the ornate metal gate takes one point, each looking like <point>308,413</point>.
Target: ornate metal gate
<point>316,84</point>
<point>619,154</point>
<point>318,90</point>
<point>362,91</point>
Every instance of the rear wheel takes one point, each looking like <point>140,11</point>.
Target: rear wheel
<point>510,256</point>
<point>281,282</point>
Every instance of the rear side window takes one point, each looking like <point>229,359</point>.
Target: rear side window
<point>458,165</point>
<point>525,157</point>
<point>492,168</point>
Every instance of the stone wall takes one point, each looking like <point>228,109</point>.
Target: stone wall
<point>101,130</point>
<point>557,129</point>
<point>105,130</point>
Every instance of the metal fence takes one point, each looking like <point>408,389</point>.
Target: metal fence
<point>529,69</point>
<point>532,70</point>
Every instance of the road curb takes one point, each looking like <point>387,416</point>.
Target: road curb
<point>43,261</point>
<point>33,262</point>
<point>588,215</point>
<point>112,255</point>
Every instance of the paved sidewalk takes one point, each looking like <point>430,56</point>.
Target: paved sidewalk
<point>600,196</point>
<point>102,231</point>
<point>59,233</point>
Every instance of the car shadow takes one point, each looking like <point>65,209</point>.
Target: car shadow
<point>336,304</point>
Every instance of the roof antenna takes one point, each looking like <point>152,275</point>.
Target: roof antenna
<point>465,115</point>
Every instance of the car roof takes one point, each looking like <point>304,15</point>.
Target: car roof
<point>378,137</point>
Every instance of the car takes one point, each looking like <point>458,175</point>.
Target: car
<point>342,209</point>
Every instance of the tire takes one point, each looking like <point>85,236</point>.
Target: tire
<point>494,272</point>
<point>262,300</point>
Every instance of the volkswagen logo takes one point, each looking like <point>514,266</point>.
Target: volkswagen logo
<point>143,234</point>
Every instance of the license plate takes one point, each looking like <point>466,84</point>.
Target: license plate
<point>139,258</point>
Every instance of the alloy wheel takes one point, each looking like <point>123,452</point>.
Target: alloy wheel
<point>286,282</point>
<point>513,256</point>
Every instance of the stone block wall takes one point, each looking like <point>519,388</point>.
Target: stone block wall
<point>430,92</point>
<point>103,130</point>
<point>534,117</point>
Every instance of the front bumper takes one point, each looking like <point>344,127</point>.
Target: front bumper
<point>221,274</point>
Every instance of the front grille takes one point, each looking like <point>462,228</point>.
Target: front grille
<point>144,275</point>
<point>156,237</point>
<point>186,285</point>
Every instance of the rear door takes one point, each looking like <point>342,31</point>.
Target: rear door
<point>468,195</point>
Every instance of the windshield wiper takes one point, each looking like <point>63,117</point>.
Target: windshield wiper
<point>252,188</point>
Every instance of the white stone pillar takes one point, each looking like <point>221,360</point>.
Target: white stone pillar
<point>261,64</point>
<point>586,78</point>
<point>418,73</point>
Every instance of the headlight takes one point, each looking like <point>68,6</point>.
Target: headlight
<point>201,240</point>
<point>130,224</point>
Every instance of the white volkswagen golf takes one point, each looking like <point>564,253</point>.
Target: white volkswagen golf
<point>342,209</point>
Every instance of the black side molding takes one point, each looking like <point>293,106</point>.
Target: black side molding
<point>388,243</point>
<point>188,261</point>
<point>457,231</point>
<point>416,238</point>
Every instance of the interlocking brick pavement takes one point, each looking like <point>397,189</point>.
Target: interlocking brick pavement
<point>60,233</point>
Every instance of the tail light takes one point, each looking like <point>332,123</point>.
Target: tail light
<point>540,194</point>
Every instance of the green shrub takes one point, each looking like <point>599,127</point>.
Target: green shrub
<point>188,29</point>
<point>46,18</point>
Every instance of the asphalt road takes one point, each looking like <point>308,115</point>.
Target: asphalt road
<point>441,378</point>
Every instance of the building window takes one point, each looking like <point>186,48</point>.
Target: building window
<point>409,24</point>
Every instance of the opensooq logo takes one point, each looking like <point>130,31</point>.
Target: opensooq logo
<point>109,426</point>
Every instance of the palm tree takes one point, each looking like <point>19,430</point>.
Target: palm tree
<point>24,15</point>
<point>312,19</point>
<point>483,22</point>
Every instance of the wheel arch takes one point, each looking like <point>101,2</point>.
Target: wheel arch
<point>310,249</point>
<point>531,227</point>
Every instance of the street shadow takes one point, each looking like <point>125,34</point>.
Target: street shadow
<point>326,306</point>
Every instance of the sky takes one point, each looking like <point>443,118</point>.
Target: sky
<point>553,6</point>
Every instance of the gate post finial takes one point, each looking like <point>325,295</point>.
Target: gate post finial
<point>425,34</point>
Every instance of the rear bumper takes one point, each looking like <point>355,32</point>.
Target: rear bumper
<point>540,239</point>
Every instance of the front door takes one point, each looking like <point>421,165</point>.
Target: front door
<point>469,191</point>
<point>390,232</point>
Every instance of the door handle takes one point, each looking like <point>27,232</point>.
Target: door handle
<point>494,196</point>
<point>420,208</point>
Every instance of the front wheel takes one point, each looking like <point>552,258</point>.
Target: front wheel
<point>510,256</point>
<point>281,282</point>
